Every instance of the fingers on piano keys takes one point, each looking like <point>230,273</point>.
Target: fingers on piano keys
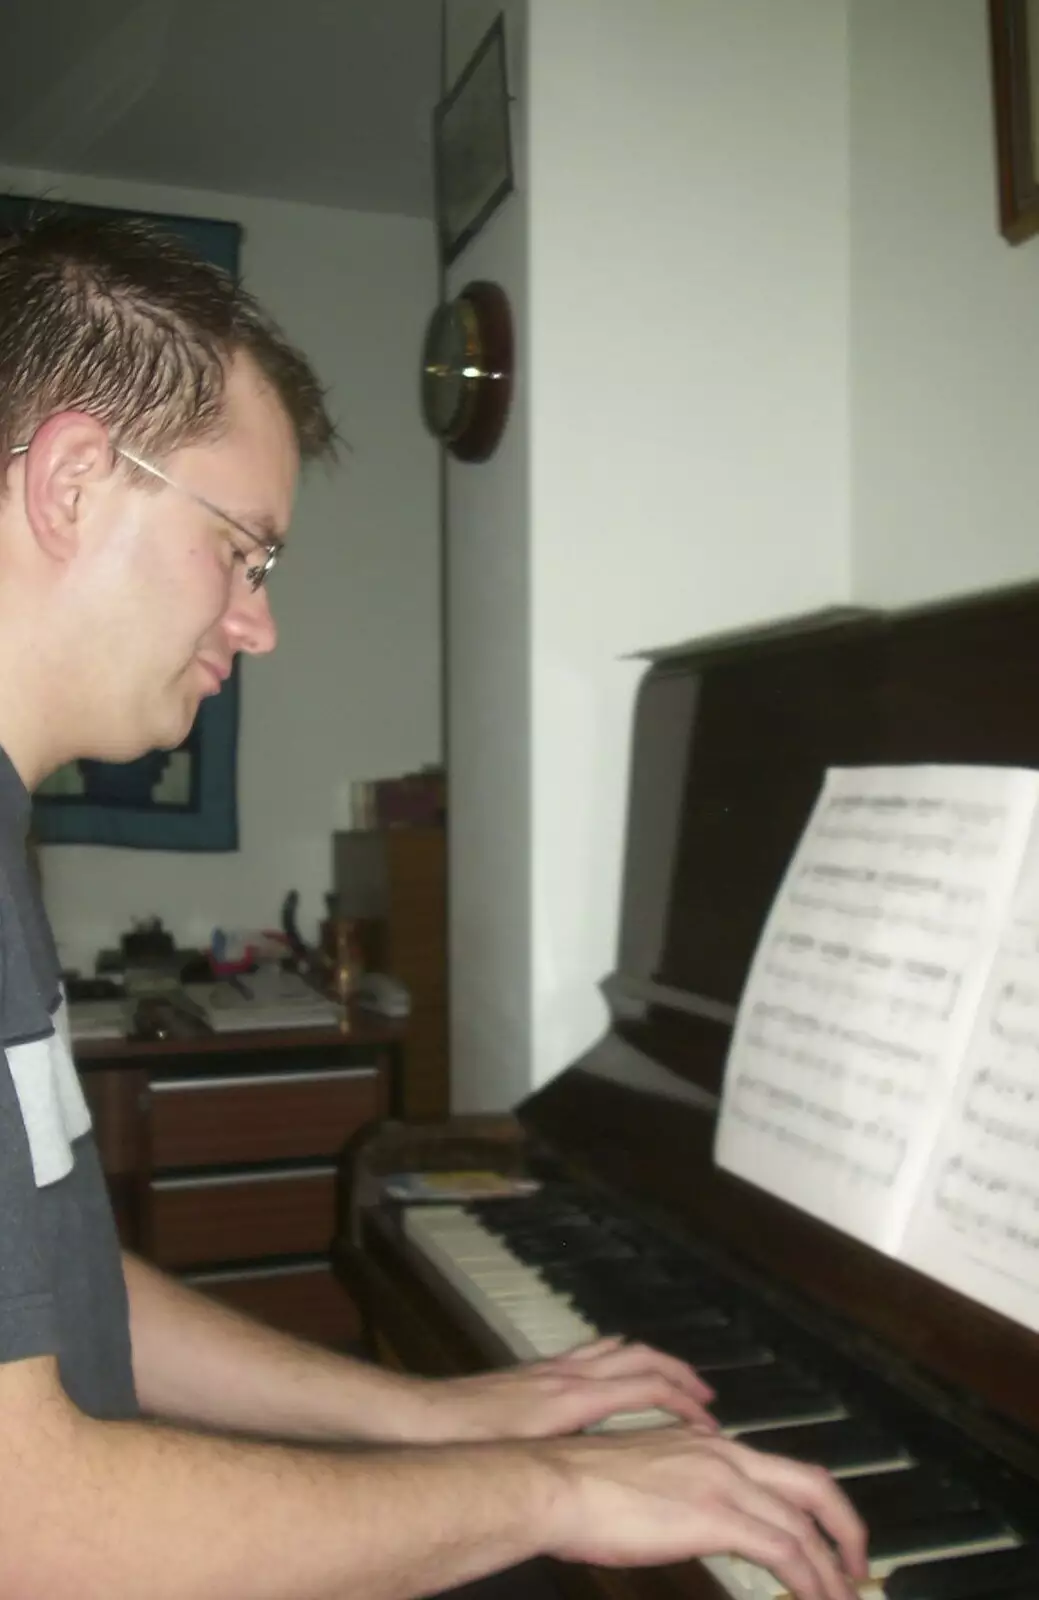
<point>544,1278</point>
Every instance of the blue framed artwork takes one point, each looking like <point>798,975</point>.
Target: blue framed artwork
<point>183,799</point>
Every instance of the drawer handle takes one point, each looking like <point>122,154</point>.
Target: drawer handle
<point>261,1080</point>
<point>293,1269</point>
<point>227,1180</point>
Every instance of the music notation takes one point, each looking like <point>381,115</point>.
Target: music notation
<point>818,1130</point>
<point>976,1223</point>
<point>990,1208</point>
<point>865,987</point>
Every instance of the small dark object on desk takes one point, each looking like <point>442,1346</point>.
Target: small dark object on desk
<point>168,1017</point>
<point>77,988</point>
<point>147,944</point>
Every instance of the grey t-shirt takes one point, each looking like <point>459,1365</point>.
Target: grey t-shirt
<point>62,1290</point>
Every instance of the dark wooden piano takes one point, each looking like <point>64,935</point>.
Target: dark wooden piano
<point>826,1348</point>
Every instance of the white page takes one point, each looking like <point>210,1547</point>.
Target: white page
<point>975,1225</point>
<point>864,985</point>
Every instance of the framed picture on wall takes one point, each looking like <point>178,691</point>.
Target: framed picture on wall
<point>472,146</point>
<point>1014,37</point>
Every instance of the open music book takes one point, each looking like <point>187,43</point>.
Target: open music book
<point>884,1068</point>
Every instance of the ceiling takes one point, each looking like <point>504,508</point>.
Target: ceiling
<point>326,101</point>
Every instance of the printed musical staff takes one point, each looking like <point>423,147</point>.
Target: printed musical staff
<point>975,1225</point>
<point>865,987</point>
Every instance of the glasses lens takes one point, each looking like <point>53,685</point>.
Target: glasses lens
<point>258,575</point>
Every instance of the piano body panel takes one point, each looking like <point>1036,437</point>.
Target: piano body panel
<point>745,800</point>
<point>953,683</point>
<point>730,743</point>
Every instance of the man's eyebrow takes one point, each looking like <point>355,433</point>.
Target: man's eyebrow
<point>261,524</point>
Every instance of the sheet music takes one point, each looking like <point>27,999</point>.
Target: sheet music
<point>975,1224</point>
<point>861,996</point>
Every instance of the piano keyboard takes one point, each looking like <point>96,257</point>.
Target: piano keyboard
<point>544,1278</point>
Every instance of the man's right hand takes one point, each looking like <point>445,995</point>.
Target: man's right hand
<point>640,1499</point>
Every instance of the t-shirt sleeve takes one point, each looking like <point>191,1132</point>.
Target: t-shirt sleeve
<point>27,1321</point>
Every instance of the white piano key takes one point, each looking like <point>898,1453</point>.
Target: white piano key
<point>623,1421</point>
<point>509,1297</point>
<point>800,1419</point>
<point>754,1583</point>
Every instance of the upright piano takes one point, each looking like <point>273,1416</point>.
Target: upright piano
<point>924,1403</point>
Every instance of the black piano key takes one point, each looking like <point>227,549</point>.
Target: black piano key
<point>968,1577</point>
<point>621,1311</point>
<point>770,1393</point>
<point>1018,1592</point>
<point>943,1530</point>
<point>671,1320</point>
<point>619,1276</point>
<point>784,1403</point>
<point>712,1349</point>
<point>573,1251</point>
<point>908,1494</point>
<point>839,1445</point>
<point>627,1278</point>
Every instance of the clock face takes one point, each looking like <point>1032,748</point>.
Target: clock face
<point>466,381</point>
<point>444,363</point>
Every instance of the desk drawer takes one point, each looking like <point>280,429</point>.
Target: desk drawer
<point>278,1116</point>
<point>302,1298</point>
<point>242,1216</point>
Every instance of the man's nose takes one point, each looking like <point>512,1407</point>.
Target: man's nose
<point>249,624</point>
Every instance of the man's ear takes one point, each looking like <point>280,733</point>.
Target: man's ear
<point>69,458</point>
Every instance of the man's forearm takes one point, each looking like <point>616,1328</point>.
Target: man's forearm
<point>114,1511</point>
<point>198,1362</point>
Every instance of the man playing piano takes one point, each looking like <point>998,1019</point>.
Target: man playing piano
<point>151,429</point>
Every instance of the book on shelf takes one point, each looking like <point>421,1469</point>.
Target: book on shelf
<point>883,1073</point>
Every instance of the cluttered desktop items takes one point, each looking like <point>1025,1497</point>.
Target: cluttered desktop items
<point>149,988</point>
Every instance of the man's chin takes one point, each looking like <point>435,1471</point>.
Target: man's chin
<point>121,751</point>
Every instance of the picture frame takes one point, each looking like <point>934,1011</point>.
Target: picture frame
<point>1014,43</point>
<point>472,146</point>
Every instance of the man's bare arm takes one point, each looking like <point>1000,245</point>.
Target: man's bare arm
<point>113,1510</point>
<point>197,1362</point>
<point>201,1363</point>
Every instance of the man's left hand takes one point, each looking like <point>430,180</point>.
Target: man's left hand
<point>565,1394</point>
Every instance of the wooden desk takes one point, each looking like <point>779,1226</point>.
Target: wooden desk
<point>220,1154</point>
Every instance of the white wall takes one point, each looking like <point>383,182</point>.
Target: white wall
<point>354,688</point>
<point>488,619</point>
<point>678,461</point>
<point>689,428</point>
<point>945,330</point>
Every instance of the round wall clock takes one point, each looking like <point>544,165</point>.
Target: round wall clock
<point>467,371</point>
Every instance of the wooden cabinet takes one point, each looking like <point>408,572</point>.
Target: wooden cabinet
<point>398,878</point>
<point>304,1297</point>
<point>258,1116</point>
<point>235,1216</point>
<point>221,1158</point>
